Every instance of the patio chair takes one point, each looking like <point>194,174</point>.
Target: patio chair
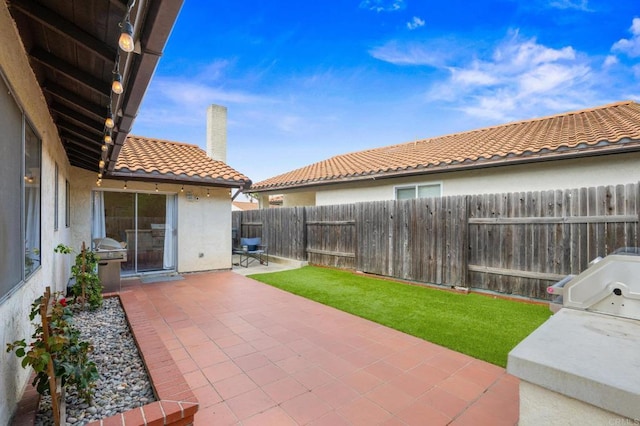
<point>252,250</point>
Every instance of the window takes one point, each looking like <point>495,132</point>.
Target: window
<point>32,179</point>
<point>56,192</point>
<point>11,184</point>
<point>418,191</point>
<point>20,182</point>
<point>67,204</point>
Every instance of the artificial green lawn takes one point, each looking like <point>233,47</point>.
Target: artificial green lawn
<point>483,327</point>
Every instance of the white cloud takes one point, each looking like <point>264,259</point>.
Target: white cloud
<point>519,78</point>
<point>383,5</point>
<point>630,46</point>
<point>610,60</point>
<point>570,4</point>
<point>415,23</point>
<point>473,76</point>
<point>434,53</point>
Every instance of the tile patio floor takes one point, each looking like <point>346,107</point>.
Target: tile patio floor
<point>255,355</point>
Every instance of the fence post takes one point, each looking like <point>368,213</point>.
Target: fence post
<point>305,255</point>
<point>465,240</point>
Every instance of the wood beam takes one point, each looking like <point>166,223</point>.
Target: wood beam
<point>79,131</point>
<point>57,23</point>
<point>92,125</point>
<point>82,164</point>
<point>56,64</point>
<point>74,101</point>
<point>81,143</point>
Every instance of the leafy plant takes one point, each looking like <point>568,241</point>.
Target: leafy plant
<point>69,354</point>
<point>85,273</point>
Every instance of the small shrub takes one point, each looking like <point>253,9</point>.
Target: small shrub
<point>69,354</point>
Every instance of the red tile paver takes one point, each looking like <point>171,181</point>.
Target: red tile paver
<point>255,355</point>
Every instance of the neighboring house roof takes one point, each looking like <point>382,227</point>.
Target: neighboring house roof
<point>244,205</point>
<point>596,131</point>
<point>161,160</point>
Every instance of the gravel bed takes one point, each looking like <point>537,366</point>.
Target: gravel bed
<point>123,382</point>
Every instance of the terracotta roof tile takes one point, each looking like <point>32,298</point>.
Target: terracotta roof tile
<point>590,129</point>
<point>161,159</point>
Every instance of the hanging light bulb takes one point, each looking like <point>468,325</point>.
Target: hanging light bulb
<point>99,175</point>
<point>208,193</point>
<point>108,122</point>
<point>125,185</point>
<point>104,148</point>
<point>99,182</point>
<point>156,187</point>
<point>116,86</point>
<point>101,164</point>
<point>182,189</point>
<point>107,138</point>
<point>126,42</point>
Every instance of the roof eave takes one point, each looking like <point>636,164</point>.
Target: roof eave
<point>629,145</point>
<point>159,22</point>
<point>179,179</point>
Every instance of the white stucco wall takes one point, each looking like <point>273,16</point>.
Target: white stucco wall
<point>576,173</point>
<point>204,223</point>
<point>299,199</point>
<point>540,406</point>
<point>204,231</point>
<point>54,271</point>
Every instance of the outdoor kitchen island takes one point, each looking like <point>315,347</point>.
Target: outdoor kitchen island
<point>581,367</point>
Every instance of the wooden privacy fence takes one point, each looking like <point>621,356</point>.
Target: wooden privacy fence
<point>516,243</point>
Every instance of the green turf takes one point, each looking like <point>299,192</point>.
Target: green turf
<point>483,327</point>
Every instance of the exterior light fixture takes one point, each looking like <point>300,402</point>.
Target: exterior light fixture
<point>99,182</point>
<point>116,86</point>
<point>108,122</point>
<point>101,164</point>
<point>107,138</point>
<point>104,148</point>
<point>126,42</point>
<point>99,175</point>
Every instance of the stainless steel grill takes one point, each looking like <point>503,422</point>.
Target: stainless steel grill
<point>111,254</point>
<point>608,286</point>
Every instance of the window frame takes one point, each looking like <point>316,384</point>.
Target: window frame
<point>25,132</point>
<point>56,191</point>
<point>26,124</point>
<point>416,187</point>
<point>67,204</point>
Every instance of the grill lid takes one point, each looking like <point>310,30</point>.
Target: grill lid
<point>610,286</point>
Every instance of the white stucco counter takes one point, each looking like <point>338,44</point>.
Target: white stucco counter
<point>579,366</point>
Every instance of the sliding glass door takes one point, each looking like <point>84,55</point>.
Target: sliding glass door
<point>145,224</point>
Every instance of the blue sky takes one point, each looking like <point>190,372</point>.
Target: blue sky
<point>305,80</point>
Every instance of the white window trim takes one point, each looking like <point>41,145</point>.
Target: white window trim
<point>415,188</point>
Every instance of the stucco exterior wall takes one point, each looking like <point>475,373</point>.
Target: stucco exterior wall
<point>564,174</point>
<point>14,310</point>
<point>299,199</point>
<point>540,406</point>
<point>204,223</point>
<point>204,230</point>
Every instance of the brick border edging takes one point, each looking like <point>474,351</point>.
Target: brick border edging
<point>176,405</point>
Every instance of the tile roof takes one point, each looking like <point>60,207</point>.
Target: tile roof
<point>607,128</point>
<point>162,160</point>
<point>245,205</point>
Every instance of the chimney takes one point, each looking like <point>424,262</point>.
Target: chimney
<point>217,132</point>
